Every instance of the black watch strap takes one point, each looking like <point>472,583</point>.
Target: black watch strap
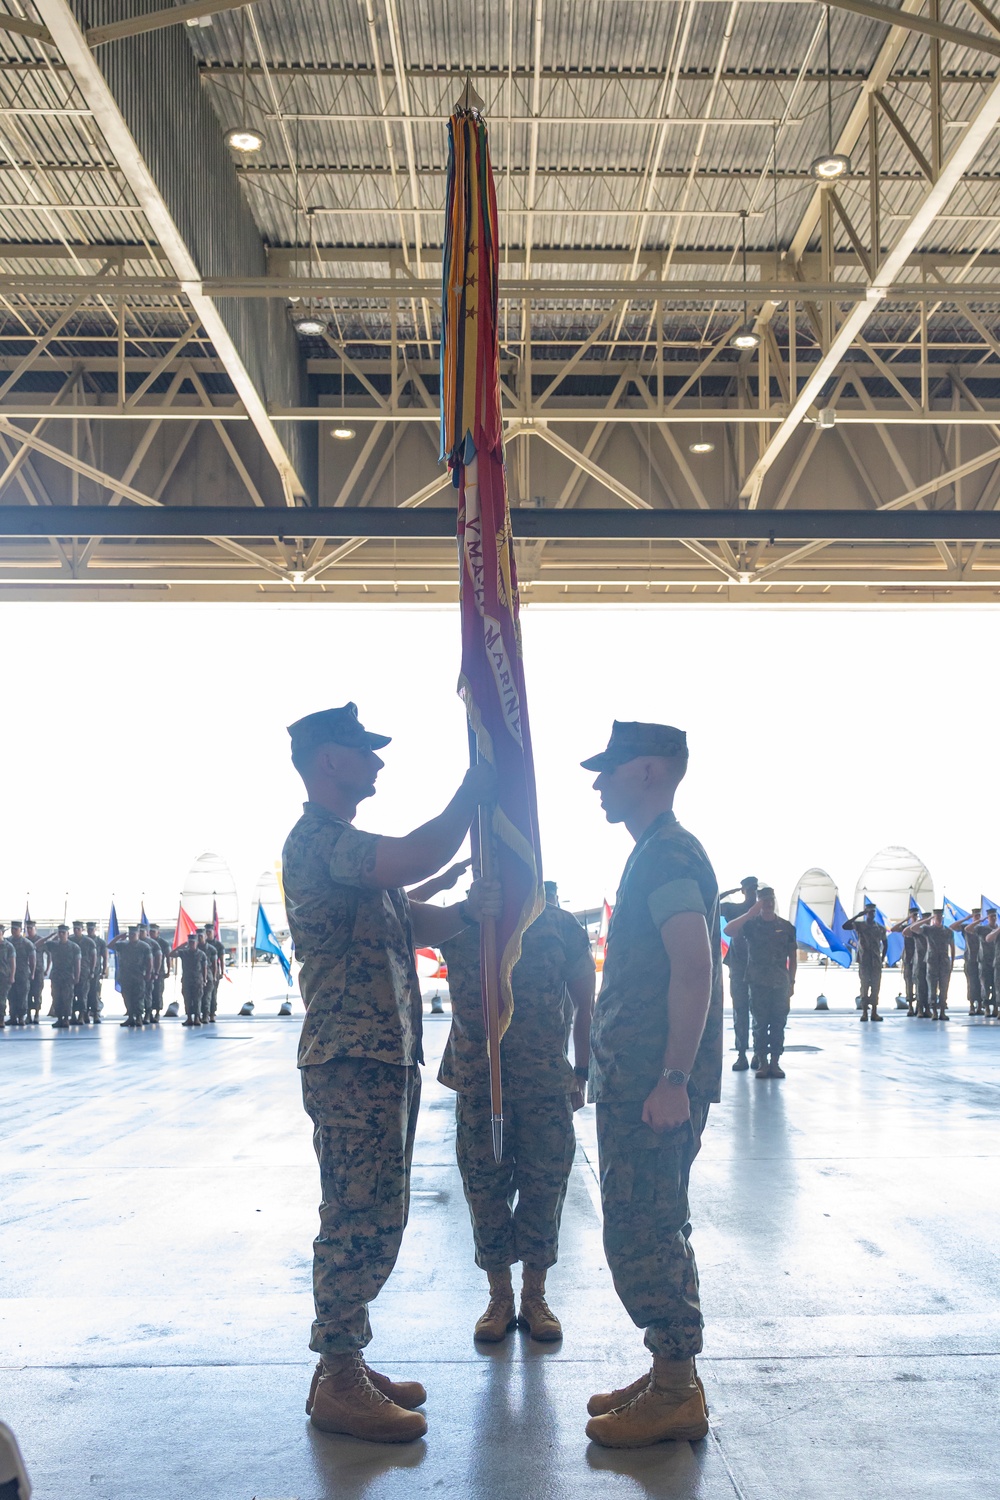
<point>581,1072</point>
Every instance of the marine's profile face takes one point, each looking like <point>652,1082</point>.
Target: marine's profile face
<point>767,905</point>
<point>620,789</point>
<point>355,768</point>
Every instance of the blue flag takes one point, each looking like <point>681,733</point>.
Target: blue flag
<point>914,908</point>
<point>113,931</point>
<point>265,942</point>
<point>810,932</point>
<point>989,905</point>
<point>143,919</point>
<point>953,913</point>
<point>844,938</point>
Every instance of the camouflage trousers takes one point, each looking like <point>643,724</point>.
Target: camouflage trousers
<point>986,983</point>
<point>908,981</point>
<point>19,992</point>
<point>740,992</point>
<point>920,986</point>
<point>973,988</point>
<point>870,977</point>
<point>94,996</point>
<point>644,1192</point>
<point>364,1116</point>
<point>80,992</point>
<point>191,994</point>
<point>769,1007</point>
<point>538,1147</point>
<point>133,992</point>
<point>5,988</point>
<point>37,990</point>
<point>938,980</point>
<point>62,998</point>
<point>158,983</point>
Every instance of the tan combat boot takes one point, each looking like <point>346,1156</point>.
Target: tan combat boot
<point>406,1393</point>
<point>606,1401</point>
<point>670,1408</point>
<point>347,1402</point>
<point>535,1314</point>
<point>498,1319</point>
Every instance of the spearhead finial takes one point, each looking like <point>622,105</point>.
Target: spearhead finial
<point>469,99</point>
<point>498,1137</point>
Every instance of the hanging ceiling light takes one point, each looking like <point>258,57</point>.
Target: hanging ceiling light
<point>244,138</point>
<point>701,445</point>
<point>832,164</point>
<point>342,434</point>
<point>745,337</point>
<point>309,325</point>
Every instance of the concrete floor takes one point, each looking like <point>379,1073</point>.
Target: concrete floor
<point>159,1204</point>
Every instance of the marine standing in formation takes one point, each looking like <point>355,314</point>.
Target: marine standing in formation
<point>217,953</point>
<point>41,970</point>
<point>8,969</point>
<point>64,973</point>
<point>940,961</point>
<point>88,967</point>
<point>134,969</point>
<point>656,1066</point>
<point>553,989</point>
<point>987,972</point>
<point>194,977</point>
<point>735,961</point>
<point>359,1054</point>
<point>872,945</point>
<point>163,968</point>
<point>20,990</point>
<point>969,928</point>
<point>100,973</point>
<point>771,964</point>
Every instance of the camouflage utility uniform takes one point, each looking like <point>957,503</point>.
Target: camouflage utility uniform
<point>939,941</point>
<point>205,1003</point>
<point>37,979</point>
<point>8,968</point>
<point>538,1139</point>
<point>644,1175</point>
<point>769,947</point>
<point>736,962</point>
<point>100,969</point>
<point>219,953</point>
<point>987,984</point>
<point>359,1054</point>
<point>88,964</point>
<point>871,938</point>
<point>972,985</point>
<point>909,952</point>
<point>133,974</point>
<point>160,977</point>
<point>920,972</point>
<point>20,990</point>
<point>63,959</point>
<point>194,977</point>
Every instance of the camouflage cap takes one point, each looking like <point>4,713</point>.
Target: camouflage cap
<point>749,880</point>
<point>630,740</point>
<point>766,892</point>
<point>62,927</point>
<point>341,726</point>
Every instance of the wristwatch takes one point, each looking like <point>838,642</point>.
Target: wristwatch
<point>675,1076</point>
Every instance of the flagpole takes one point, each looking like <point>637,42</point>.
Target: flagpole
<point>488,965</point>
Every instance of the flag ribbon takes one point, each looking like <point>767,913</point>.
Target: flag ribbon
<point>491,683</point>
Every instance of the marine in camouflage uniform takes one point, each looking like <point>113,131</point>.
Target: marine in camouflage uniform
<point>735,961</point>
<point>211,974</point>
<point>194,976</point>
<point>100,973</point>
<point>88,965</point>
<point>162,970</point>
<point>969,928</point>
<point>872,947</point>
<point>20,990</point>
<point>218,950</point>
<point>908,975</point>
<point>656,1066</point>
<point>155,964</point>
<point>64,971</point>
<point>8,968</point>
<point>919,936</point>
<point>38,977</point>
<point>134,962</point>
<point>552,982</point>
<point>987,975</point>
<point>360,1047</point>
<point>940,960</point>
<point>771,964</point>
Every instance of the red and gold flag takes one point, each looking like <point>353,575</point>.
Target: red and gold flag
<point>492,678</point>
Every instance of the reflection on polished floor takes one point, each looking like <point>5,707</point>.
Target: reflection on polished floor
<point>159,1204</point>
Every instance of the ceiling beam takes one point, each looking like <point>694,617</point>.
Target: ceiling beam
<point>412,524</point>
<point>926,25</point>
<point>100,99</point>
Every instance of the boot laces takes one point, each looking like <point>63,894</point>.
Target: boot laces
<point>359,1379</point>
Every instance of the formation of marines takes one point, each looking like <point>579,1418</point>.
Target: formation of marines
<point>652,1057</point>
<point>75,961</point>
<point>762,960</point>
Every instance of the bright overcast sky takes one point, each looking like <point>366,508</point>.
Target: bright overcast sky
<point>138,736</point>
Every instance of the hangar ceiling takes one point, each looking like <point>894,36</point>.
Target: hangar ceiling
<point>657,195</point>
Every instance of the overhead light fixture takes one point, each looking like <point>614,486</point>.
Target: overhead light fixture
<point>702,445</point>
<point>832,165</point>
<point>309,325</point>
<point>747,336</point>
<point>244,139</point>
<point>342,434</point>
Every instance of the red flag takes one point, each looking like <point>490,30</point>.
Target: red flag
<point>185,926</point>
<point>602,936</point>
<point>492,679</point>
<point>215,919</point>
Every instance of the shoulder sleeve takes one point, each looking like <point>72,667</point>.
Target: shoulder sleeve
<point>675,896</point>
<point>577,945</point>
<point>350,854</point>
